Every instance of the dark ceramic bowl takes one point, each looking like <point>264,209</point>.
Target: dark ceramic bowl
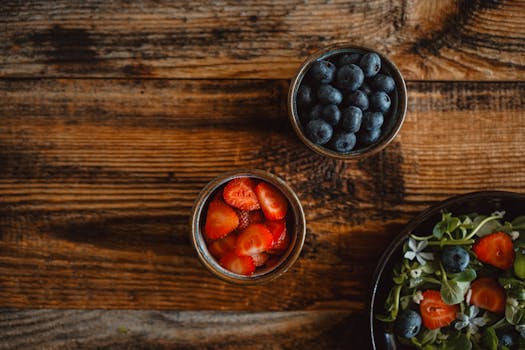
<point>484,202</point>
<point>296,225</point>
<point>393,119</point>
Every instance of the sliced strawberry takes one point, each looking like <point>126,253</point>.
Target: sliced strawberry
<point>280,238</point>
<point>221,219</point>
<point>260,258</point>
<point>242,265</point>
<point>487,294</point>
<point>273,203</point>
<point>434,312</point>
<point>220,247</point>
<point>254,239</point>
<point>495,249</point>
<point>239,193</point>
<point>249,217</point>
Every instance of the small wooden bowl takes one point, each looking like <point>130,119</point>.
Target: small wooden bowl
<point>297,228</point>
<point>396,115</point>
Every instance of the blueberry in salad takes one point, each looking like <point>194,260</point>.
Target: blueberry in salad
<point>465,280</point>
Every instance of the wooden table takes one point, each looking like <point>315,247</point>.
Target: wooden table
<point>114,114</point>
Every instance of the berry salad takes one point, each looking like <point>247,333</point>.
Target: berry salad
<point>462,286</point>
<point>344,100</point>
<point>246,225</point>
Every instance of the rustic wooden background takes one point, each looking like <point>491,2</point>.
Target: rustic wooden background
<point>114,114</point>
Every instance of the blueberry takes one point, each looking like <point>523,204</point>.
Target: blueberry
<point>382,82</point>
<point>349,77</point>
<point>455,259</point>
<point>506,338</point>
<point>322,71</point>
<point>368,137</point>
<point>351,119</point>
<point>312,113</point>
<point>319,131</point>
<point>357,98</point>
<point>331,114</point>
<point>408,324</point>
<point>329,95</point>
<point>305,96</point>
<point>366,88</point>
<point>343,142</point>
<point>372,120</point>
<point>352,58</point>
<point>370,63</point>
<point>379,101</point>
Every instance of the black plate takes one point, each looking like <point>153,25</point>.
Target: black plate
<point>484,202</point>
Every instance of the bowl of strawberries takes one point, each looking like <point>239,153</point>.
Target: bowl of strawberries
<point>247,226</point>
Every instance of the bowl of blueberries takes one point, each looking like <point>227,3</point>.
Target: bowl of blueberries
<point>347,101</point>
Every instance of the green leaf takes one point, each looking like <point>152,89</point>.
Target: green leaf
<point>518,222</point>
<point>484,228</point>
<point>428,336</point>
<point>452,224</point>
<point>519,265</point>
<point>453,292</point>
<point>489,339</point>
<point>440,229</point>
<point>514,314</point>
<point>468,275</point>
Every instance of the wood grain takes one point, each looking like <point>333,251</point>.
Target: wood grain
<point>98,178</point>
<point>429,40</point>
<point>121,329</point>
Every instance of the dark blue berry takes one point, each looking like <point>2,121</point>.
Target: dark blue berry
<point>329,95</point>
<point>357,98</point>
<point>352,58</point>
<point>319,131</point>
<point>408,324</point>
<point>331,114</point>
<point>455,259</point>
<point>372,120</point>
<point>368,137</point>
<point>311,114</point>
<point>382,82</point>
<point>349,77</point>
<point>506,338</point>
<point>366,88</point>
<point>351,119</point>
<point>305,96</point>
<point>322,71</point>
<point>370,63</point>
<point>343,142</point>
<point>379,101</point>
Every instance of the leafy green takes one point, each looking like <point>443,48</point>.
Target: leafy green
<point>514,313</point>
<point>468,275</point>
<point>489,340</point>
<point>518,222</point>
<point>453,292</point>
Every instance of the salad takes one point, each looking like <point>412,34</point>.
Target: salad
<point>462,286</point>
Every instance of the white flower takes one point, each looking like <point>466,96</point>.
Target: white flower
<point>521,330</point>
<point>514,235</point>
<point>498,213</point>
<point>417,297</point>
<point>470,320</point>
<point>415,273</point>
<point>416,251</point>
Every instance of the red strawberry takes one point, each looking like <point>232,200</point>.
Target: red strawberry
<point>487,294</point>
<point>239,193</point>
<point>273,203</point>
<point>260,258</point>
<point>434,312</point>
<point>249,217</point>
<point>220,220</point>
<point>242,265</point>
<point>220,247</point>
<point>280,238</point>
<point>254,239</point>
<point>495,249</point>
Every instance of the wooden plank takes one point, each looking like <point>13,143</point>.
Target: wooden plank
<point>98,178</point>
<point>121,329</point>
<point>445,40</point>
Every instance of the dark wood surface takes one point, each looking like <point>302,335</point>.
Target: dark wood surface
<point>113,116</point>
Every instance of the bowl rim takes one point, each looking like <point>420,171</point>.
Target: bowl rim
<point>288,258</point>
<point>385,140</point>
<point>409,227</point>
